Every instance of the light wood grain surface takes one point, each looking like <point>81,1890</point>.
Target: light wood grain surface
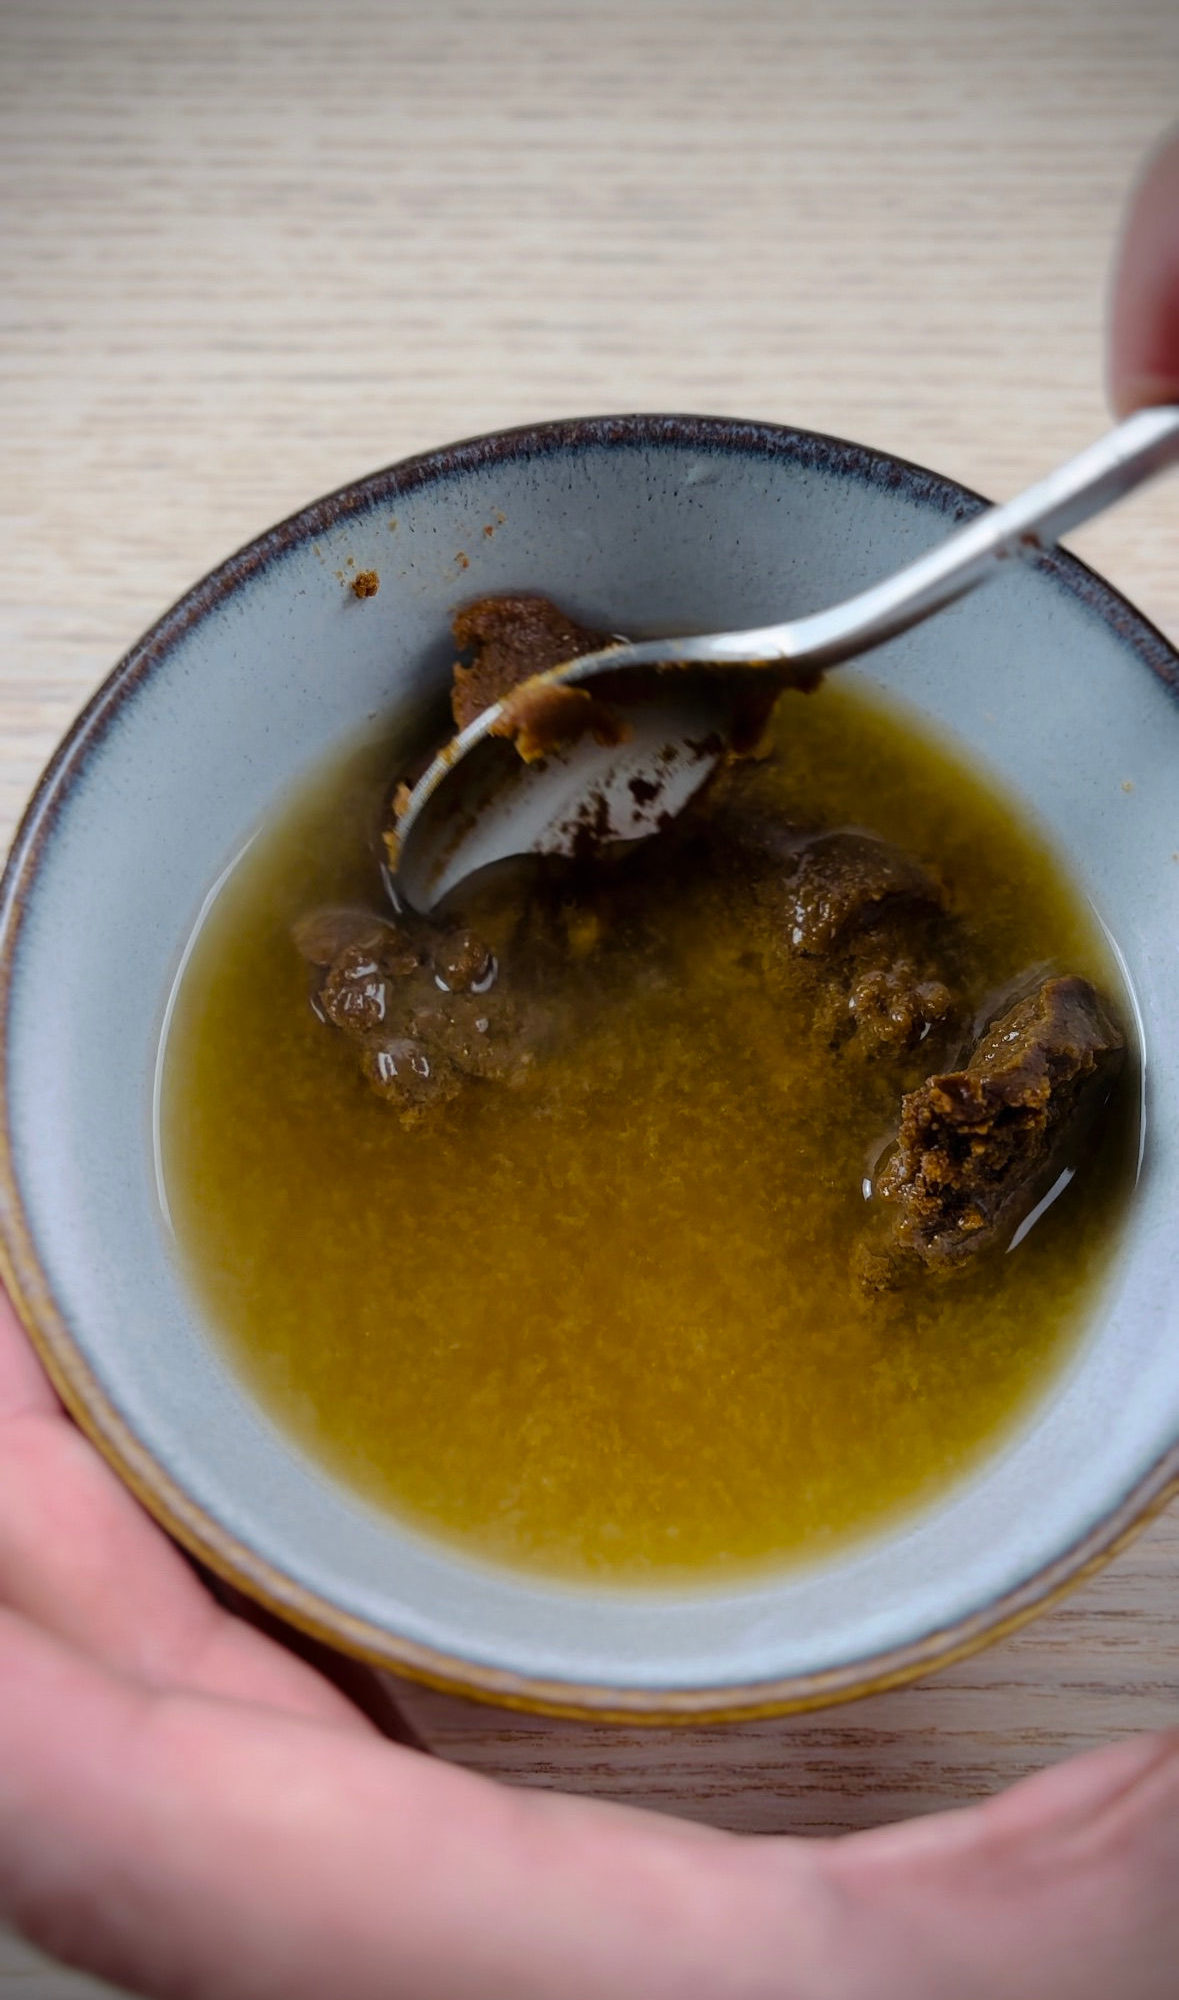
<point>252,249</point>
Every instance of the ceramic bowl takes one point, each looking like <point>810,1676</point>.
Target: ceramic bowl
<point>1057,686</point>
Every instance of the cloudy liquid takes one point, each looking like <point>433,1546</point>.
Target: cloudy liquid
<point>605,1328</point>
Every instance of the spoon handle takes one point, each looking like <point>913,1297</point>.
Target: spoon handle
<point>1136,449</point>
<point>1144,444</point>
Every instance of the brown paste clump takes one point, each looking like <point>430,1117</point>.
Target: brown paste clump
<point>418,1002</point>
<point>979,1146</point>
<point>507,640</point>
<point>876,925</point>
<point>865,927</point>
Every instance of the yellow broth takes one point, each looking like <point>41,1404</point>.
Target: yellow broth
<point>604,1327</point>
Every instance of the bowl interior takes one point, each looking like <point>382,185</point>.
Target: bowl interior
<point>642,524</point>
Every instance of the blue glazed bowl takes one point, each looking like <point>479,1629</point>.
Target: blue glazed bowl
<point>1052,681</point>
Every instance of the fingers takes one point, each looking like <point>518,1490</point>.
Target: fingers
<point>195,1848</point>
<point>80,1557</point>
<point>1061,1889</point>
<point>1144,307</point>
<point>189,1847</point>
<point>1086,1792</point>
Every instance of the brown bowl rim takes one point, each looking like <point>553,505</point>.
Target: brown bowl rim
<point>89,1404</point>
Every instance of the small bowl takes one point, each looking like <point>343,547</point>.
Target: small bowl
<point>1055,684</point>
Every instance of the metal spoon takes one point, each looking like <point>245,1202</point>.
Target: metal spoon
<point>679,700</point>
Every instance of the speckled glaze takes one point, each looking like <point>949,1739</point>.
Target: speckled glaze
<point>636,523</point>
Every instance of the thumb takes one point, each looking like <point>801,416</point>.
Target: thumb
<point>1144,306</point>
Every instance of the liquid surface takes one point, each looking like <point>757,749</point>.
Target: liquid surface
<point>604,1326</point>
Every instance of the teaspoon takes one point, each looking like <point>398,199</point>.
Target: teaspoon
<point>671,706</point>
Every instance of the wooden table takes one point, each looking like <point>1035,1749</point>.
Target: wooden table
<point>254,249</point>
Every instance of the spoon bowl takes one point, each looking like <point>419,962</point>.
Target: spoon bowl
<point>482,801</point>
